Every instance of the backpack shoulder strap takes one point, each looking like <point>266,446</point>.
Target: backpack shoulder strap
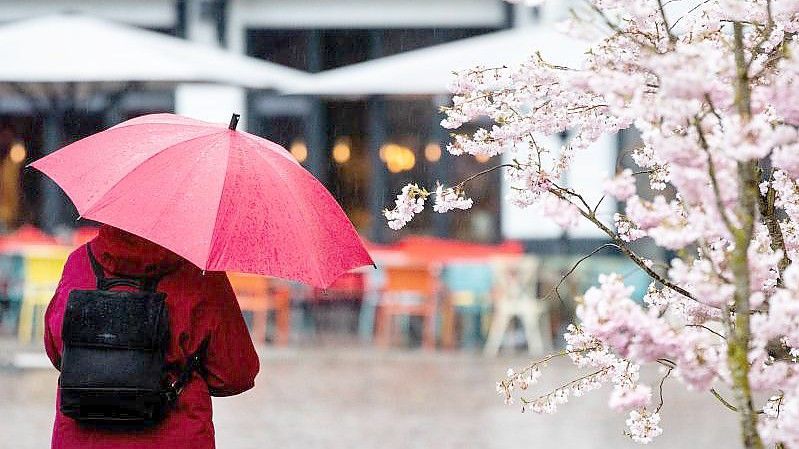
<point>106,283</point>
<point>194,363</point>
<point>98,270</point>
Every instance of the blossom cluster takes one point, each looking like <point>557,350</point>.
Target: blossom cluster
<point>412,198</point>
<point>711,93</point>
<point>629,394</point>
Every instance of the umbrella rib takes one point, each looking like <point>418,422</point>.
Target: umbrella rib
<point>164,209</point>
<point>302,209</point>
<point>257,140</point>
<point>146,160</point>
<point>218,206</point>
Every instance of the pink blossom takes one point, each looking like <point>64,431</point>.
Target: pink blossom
<point>622,186</point>
<point>609,314</point>
<point>624,399</point>
<point>626,229</point>
<point>643,426</point>
<point>407,204</point>
<point>564,213</point>
<point>702,361</point>
<point>786,157</point>
<point>449,198</point>
<point>646,214</point>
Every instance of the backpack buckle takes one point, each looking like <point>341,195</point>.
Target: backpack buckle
<point>171,394</point>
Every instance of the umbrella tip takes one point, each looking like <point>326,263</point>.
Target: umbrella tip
<point>234,121</point>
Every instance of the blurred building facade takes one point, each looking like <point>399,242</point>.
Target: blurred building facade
<point>363,148</point>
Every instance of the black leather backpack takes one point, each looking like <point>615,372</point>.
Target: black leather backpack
<point>113,369</point>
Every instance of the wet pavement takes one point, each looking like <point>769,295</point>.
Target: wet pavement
<point>357,397</point>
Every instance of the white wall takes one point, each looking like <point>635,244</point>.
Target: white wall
<point>586,174</point>
<point>212,103</point>
<point>369,13</point>
<point>209,102</point>
<point>147,13</point>
<point>244,14</point>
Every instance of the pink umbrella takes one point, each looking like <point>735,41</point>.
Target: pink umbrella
<point>221,198</point>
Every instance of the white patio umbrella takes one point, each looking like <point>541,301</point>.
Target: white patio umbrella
<point>55,61</point>
<point>428,71</point>
<point>73,48</point>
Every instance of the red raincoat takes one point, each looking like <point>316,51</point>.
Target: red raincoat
<point>199,306</point>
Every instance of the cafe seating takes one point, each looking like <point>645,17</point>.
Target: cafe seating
<point>42,269</point>
<point>259,295</point>
<point>407,291</point>
<point>516,296</point>
<point>467,286</point>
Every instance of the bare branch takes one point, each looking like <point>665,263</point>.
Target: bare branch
<point>660,389</point>
<point>721,399</point>
<point>711,170</point>
<point>672,37</point>
<point>598,203</point>
<point>673,25</point>
<point>600,372</point>
<point>574,194</point>
<point>627,251</point>
<point>486,171</point>
<point>574,267</point>
<point>707,329</point>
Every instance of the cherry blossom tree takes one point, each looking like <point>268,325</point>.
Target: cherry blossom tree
<point>712,87</point>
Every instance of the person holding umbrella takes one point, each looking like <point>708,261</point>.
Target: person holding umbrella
<point>200,307</point>
<point>144,325</point>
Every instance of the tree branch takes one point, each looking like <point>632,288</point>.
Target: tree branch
<point>660,389</point>
<point>721,399</point>
<point>769,217</point>
<point>574,267</point>
<point>672,37</point>
<point>707,329</point>
<point>711,170</point>
<point>622,245</point>
<point>486,171</point>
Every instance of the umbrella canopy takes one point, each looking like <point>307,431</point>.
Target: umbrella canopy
<point>223,199</point>
<point>428,71</point>
<point>73,48</point>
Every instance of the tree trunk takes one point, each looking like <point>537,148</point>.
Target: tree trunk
<point>738,331</point>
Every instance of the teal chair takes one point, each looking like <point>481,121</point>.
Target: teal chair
<point>375,279</point>
<point>633,275</point>
<point>12,279</point>
<point>467,298</point>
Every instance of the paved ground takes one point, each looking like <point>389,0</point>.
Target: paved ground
<point>333,397</point>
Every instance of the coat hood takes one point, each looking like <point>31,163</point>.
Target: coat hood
<point>122,253</point>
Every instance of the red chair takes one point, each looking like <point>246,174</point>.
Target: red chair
<point>349,286</point>
<point>27,235</point>
<point>84,235</point>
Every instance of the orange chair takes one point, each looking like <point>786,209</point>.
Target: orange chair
<point>348,286</point>
<point>408,291</point>
<point>260,295</point>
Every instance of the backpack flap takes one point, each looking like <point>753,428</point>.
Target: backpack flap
<point>113,359</point>
<point>115,319</point>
